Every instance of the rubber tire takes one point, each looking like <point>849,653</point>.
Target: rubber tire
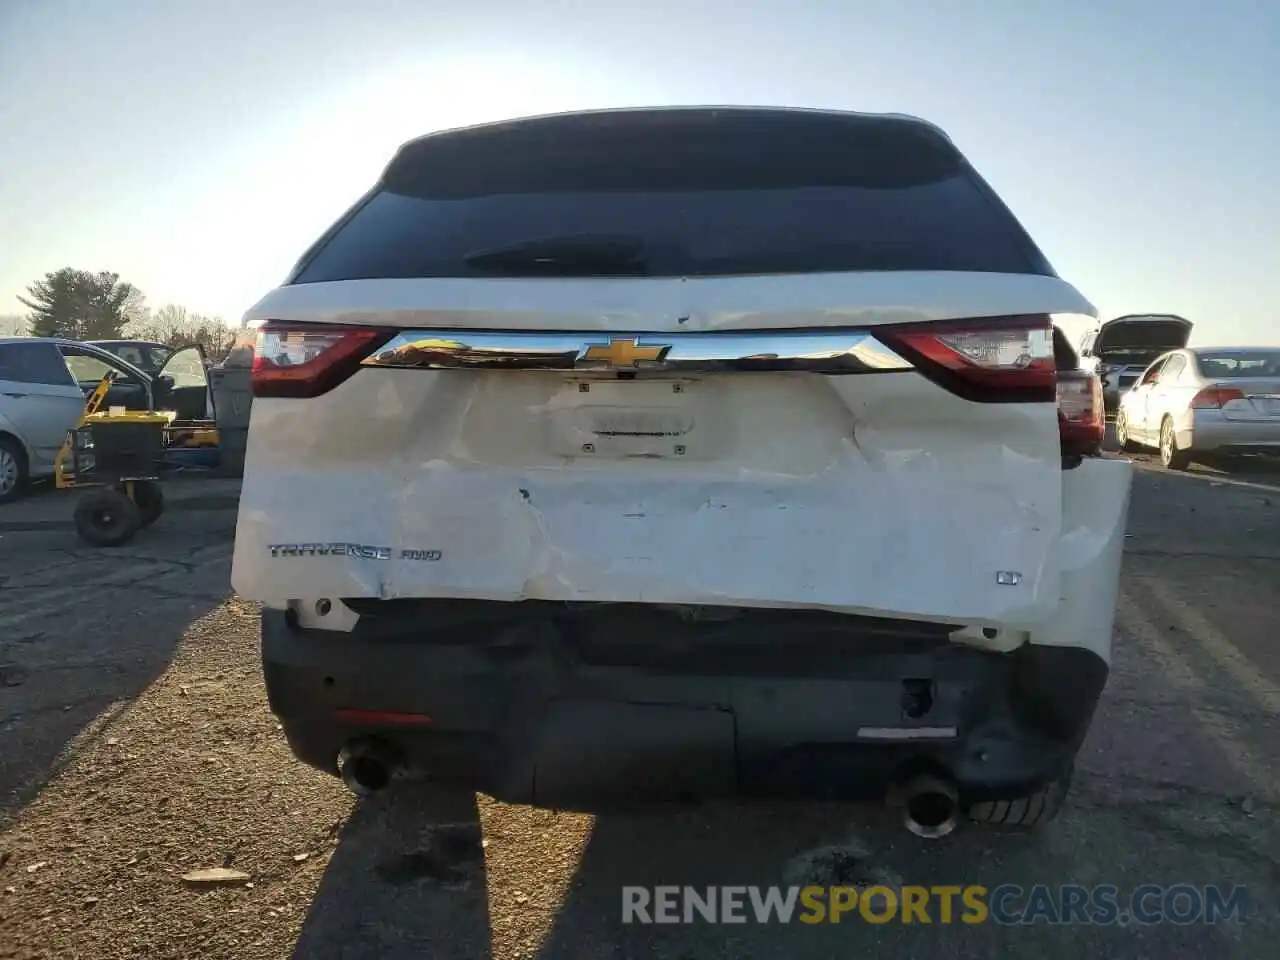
<point>14,449</point>
<point>149,496</point>
<point>125,518</point>
<point>1026,812</point>
<point>1127,445</point>
<point>1176,459</point>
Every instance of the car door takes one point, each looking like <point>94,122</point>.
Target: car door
<point>131,388</point>
<point>1164,394</point>
<point>183,386</point>
<point>1137,402</point>
<point>39,400</point>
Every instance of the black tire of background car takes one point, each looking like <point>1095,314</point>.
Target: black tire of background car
<point>1122,433</point>
<point>1170,455</point>
<point>107,518</point>
<point>14,449</point>
<point>1026,812</point>
<point>149,496</point>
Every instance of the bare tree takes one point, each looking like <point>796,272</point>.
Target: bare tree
<point>176,326</point>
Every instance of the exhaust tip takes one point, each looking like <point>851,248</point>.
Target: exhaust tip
<point>930,808</point>
<point>364,768</point>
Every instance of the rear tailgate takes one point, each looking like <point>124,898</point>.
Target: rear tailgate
<point>863,486</point>
<point>1153,334</point>
<point>677,356</point>
<point>1253,400</point>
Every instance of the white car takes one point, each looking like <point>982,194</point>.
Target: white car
<point>1204,402</point>
<point>43,387</point>
<point>682,452</point>
<point>1120,349</point>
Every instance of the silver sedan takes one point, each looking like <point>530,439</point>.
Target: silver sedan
<point>1202,402</point>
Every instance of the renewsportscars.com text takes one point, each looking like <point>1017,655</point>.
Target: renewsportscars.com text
<point>1011,904</point>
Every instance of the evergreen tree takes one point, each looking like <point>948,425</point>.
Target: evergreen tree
<point>81,305</point>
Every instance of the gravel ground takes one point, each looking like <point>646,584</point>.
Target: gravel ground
<point>136,746</point>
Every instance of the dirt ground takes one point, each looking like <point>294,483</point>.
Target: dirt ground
<point>136,746</point>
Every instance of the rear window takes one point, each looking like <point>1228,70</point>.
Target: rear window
<point>1251,363</point>
<point>33,363</point>
<point>696,193</point>
<point>145,356</point>
<point>131,354</point>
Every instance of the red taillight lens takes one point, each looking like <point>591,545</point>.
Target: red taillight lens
<point>306,360</point>
<point>1213,398</point>
<point>990,360</point>
<point>384,718</point>
<point>1080,412</point>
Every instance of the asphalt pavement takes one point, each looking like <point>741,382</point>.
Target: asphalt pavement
<point>136,746</point>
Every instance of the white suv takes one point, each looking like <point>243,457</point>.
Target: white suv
<point>649,454</point>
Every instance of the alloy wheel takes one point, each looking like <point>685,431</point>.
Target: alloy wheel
<point>8,472</point>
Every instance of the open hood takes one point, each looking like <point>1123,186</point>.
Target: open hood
<point>1149,332</point>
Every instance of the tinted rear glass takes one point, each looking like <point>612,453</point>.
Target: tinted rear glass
<point>33,363</point>
<point>1241,364</point>
<point>701,193</point>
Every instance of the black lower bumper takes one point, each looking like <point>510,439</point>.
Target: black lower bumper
<point>531,704</point>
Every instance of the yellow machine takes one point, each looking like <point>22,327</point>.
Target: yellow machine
<point>119,454</point>
<point>183,437</point>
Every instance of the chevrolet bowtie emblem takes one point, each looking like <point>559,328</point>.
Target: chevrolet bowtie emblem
<point>624,352</point>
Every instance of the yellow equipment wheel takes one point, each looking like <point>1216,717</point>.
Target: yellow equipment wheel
<point>149,497</point>
<point>107,518</point>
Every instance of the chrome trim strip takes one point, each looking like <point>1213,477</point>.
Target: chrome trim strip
<point>826,352</point>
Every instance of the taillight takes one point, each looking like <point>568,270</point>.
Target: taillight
<point>1081,422</point>
<point>989,360</point>
<point>306,360</point>
<point>1213,398</point>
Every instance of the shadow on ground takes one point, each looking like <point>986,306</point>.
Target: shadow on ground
<point>408,880</point>
<point>84,631</point>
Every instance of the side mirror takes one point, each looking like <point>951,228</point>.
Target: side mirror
<point>166,381</point>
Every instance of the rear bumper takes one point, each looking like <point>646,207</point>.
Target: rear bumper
<point>535,709</point>
<point>1208,431</point>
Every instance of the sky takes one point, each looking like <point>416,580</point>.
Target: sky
<point>198,149</point>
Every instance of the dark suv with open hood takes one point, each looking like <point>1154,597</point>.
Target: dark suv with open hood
<point>1120,349</point>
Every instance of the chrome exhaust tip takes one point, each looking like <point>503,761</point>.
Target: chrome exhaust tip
<point>365,768</point>
<point>930,806</point>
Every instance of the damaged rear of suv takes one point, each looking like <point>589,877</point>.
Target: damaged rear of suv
<point>655,454</point>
